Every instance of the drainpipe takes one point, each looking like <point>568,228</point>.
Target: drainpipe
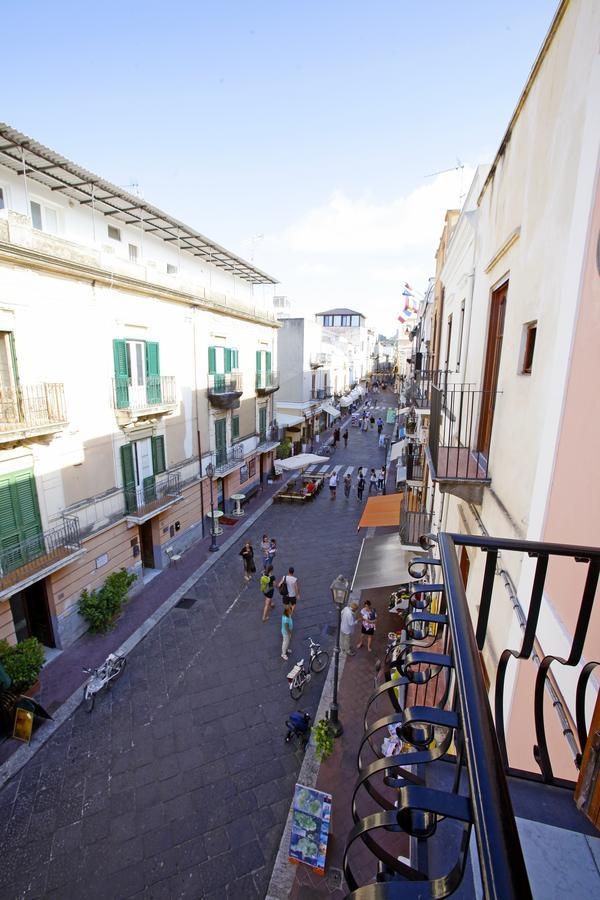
<point>558,704</point>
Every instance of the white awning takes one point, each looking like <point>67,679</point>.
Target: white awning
<point>346,401</point>
<point>397,449</point>
<point>331,410</point>
<point>285,420</point>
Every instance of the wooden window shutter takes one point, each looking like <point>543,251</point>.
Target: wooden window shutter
<point>228,354</point>
<point>268,359</point>
<point>121,374</point>
<point>258,362</point>
<point>158,455</point>
<point>152,373</point>
<point>128,477</point>
<point>235,427</point>
<point>212,360</point>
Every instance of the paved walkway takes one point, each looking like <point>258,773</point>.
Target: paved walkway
<point>178,784</point>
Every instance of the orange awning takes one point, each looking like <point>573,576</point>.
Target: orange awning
<point>381,511</point>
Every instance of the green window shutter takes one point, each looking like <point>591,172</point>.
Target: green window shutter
<point>262,421</point>
<point>236,364</point>
<point>152,373</point>
<point>20,523</point>
<point>29,514</point>
<point>268,358</point>
<point>235,427</point>
<point>212,360</point>
<point>149,489</point>
<point>128,477</point>
<point>13,356</point>
<point>258,362</point>
<point>121,374</point>
<point>227,360</point>
<point>158,455</point>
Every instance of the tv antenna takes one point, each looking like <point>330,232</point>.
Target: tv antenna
<point>459,167</point>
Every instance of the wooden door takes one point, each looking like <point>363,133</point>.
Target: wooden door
<point>492,367</point>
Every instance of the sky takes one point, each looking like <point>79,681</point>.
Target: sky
<point>302,135</point>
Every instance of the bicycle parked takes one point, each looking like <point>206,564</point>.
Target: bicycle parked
<point>300,676</point>
<point>110,669</point>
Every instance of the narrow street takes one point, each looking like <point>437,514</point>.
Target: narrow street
<point>179,782</point>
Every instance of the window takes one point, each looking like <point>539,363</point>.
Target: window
<point>114,233</point>
<point>2,198</point>
<point>327,321</point>
<point>529,335</point>
<point>448,343</point>
<point>44,218</point>
<point>222,360</point>
<point>141,461</point>
<point>133,253</point>
<point>252,468</point>
<point>461,327</point>
<point>171,269</point>
<point>137,374</point>
<point>235,428</point>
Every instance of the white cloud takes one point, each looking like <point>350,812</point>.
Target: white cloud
<point>356,252</point>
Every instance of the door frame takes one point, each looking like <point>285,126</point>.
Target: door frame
<point>491,366</point>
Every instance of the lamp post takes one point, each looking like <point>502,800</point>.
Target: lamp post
<point>340,591</point>
<point>210,471</point>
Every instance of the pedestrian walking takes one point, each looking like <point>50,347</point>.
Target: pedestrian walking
<point>379,425</point>
<point>333,485</point>
<point>361,473</point>
<point>336,436</point>
<point>247,554</point>
<point>369,619</point>
<point>365,424</point>
<point>360,487</point>
<point>348,623</point>
<point>347,484</point>
<point>267,587</point>
<point>265,545</point>
<point>289,588</point>
<point>287,626</point>
<point>372,421</point>
<point>372,481</point>
<point>381,440</point>
<point>272,551</point>
<point>380,479</point>
<point>345,436</point>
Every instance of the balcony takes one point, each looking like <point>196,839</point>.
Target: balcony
<point>156,495</point>
<point>36,557</point>
<point>460,806</point>
<point>317,360</point>
<point>452,454</point>
<point>417,391</point>
<point>266,383</point>
<point>157,396</point>
<point>320,393</point>
<point>224,391</point>
<point>414,518</point>
<point>270,438</point>
<point>31,410</point>
<point>227,459</point>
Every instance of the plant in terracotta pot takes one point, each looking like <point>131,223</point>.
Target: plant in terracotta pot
<point>22,662</point>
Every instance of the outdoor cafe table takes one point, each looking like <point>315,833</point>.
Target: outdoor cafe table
<point>238,511</point>
<point>216,515</point>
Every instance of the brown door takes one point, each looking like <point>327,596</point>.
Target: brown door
<point>464,565</point>
<point>147,545</point>
<point>31,614</point>
<point>492,368</point>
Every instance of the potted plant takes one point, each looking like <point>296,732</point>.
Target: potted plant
<point>323,738</point>
<point>22,663</point>
<point>101,608</point>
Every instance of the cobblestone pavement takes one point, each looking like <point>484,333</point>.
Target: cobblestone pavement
<point>179,782</point>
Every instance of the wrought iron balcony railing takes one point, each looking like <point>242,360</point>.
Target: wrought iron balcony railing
<point>454,453</point>
<point>321,393</point>
<point>319,359</point>
<point>224,391</point>
<point>153,495</point>
<point>267,382</point>
<point>417,389</point>
<point>226,459</point>
<point>31,555</point>
<point>156,392</point>
<point>414,518</point>
<point>32,408</point>
<point>451,766</point>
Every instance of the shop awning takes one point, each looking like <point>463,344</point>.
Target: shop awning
<point>331,410</point>
<point>397,449</point>
<point>381,511</point>
<point>346,401</point>
<point>382,563</point>
<point>284,420</point>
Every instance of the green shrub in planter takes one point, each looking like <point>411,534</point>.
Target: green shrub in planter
<point>284,450</point>
<point>323,738</point>
<point>22,662</point>
<point>100,608</point>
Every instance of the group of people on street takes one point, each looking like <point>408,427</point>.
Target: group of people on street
<point>288,587</point>
<point>350,618</point>
<point>336,437</point>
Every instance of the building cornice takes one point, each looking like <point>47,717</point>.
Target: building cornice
<point>510,240</point>
<point>25,257</point>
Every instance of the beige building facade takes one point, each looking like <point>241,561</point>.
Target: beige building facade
<point>134,352</point>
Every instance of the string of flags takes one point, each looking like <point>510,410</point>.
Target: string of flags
<point>411,304</point>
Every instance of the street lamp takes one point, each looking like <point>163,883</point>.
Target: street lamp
<point>340,591</point>
<point>210,471</point>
